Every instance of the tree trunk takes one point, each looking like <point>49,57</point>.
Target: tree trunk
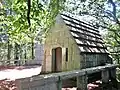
<point>16,53</point>
<point>9,51</point>
<point>32,48</point>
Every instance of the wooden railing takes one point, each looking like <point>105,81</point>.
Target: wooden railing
<point>54,81</point>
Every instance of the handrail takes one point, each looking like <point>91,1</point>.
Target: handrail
<point>54,80</point>
<point>74,73</point>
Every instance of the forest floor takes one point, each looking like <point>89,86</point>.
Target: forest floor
<point>92,86</point>
<point>72,85</point>
<point>8,75</point>
<point>17,72</point>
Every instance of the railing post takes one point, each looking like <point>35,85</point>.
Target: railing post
<point>113,73</point>
<point>113,77</point>
<point>59,83</point>
<point>105,76</point>
<point>82,82</point>
<point>105,79</point>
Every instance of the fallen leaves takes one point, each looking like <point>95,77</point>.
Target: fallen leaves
<point>6,84</point>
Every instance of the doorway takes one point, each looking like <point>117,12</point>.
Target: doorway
<point>57,59</point>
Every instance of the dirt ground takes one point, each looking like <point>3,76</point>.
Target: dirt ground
<point>9,74</point>
<point>17,72</point>
<point>93,86</point>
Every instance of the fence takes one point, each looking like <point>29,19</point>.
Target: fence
<point>20,62</point>
<point>54,81</point>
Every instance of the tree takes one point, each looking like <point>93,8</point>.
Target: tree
<point>28,21</point>
<point>104,14</point>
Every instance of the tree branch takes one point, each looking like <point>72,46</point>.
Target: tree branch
<point>114,11</point>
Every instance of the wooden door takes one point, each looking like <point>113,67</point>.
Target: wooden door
<point>57,59</point>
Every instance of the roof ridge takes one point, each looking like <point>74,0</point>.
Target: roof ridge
<point>72,16</point>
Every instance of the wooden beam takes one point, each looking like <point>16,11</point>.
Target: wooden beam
<point>98,47</point>
<point>75,73</point>
<point>85,39</point>
<point>83,29</point>
<point>87,34</point>
<point>94,53</point>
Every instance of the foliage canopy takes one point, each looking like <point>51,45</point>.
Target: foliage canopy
<point>24,22</point>
<point>41,15</point>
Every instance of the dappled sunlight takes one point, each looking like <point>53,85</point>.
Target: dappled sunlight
<point>69,88</point>
<point>90,86</point>
<point>8,75</point>
<point>19,72</point>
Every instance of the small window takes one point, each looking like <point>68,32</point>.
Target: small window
<point>66,54</point>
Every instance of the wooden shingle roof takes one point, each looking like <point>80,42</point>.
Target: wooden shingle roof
<point>86,36</point>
